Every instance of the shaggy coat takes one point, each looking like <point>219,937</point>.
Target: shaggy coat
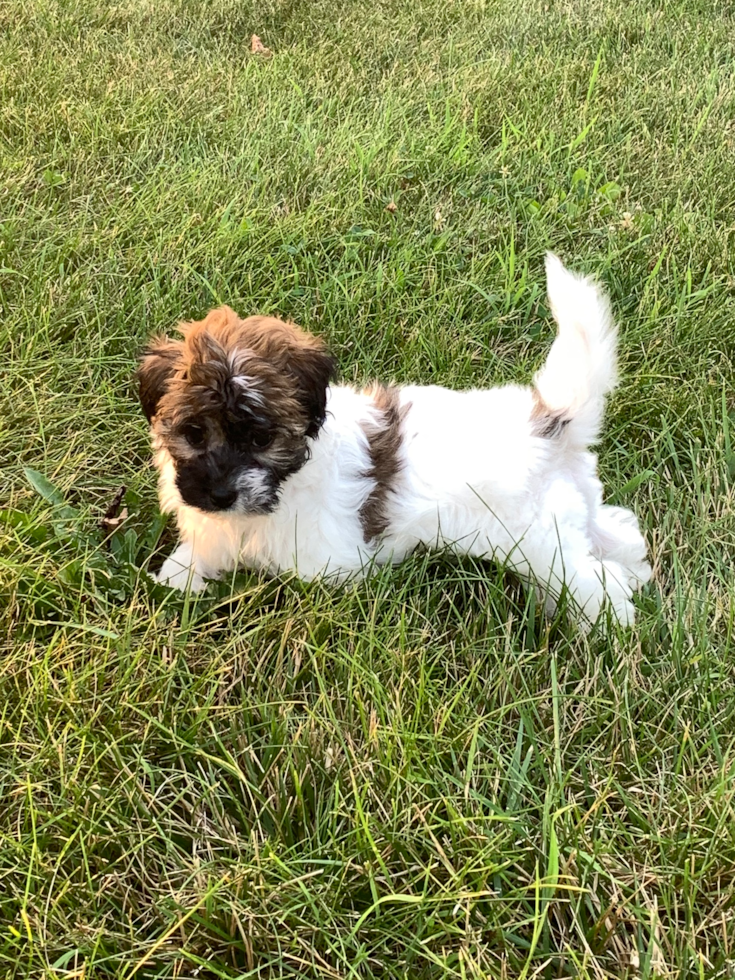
<point>266,464</point>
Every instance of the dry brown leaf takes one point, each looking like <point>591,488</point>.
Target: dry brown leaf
<point>113,517</point>
<point>110,523</point>
<point>257,47</point>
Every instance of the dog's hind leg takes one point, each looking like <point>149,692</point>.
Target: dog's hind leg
<point>616,537</point>
<point>562,560</point>
<point>558,552</point>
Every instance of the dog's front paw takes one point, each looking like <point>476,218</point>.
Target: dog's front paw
<point>179,571</point>
<point>176,577</point>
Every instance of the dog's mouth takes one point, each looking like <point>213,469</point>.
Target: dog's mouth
<point>244,508</point>
<point>249,493</point>
<point>238,505</point>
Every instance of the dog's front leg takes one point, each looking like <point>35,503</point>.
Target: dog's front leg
<point>184,569</point>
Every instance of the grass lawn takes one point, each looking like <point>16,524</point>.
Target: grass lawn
<point>418,777</point>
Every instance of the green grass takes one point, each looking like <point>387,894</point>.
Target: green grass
<point>419,777</point>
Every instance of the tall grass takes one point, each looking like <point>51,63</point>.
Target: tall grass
<point>417,777</point>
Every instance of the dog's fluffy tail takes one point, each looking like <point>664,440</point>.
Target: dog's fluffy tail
<point>569,390</point>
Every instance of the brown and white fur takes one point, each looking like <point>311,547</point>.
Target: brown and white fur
<point>268,465</point>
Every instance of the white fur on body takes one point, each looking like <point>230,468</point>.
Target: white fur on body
<point>474,477</point>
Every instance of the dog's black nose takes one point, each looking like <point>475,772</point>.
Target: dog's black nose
<point>223,497</point>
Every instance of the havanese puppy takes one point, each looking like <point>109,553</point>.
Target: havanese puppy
<point>267,465</point>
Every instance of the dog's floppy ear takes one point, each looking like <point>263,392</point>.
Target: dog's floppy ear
<point>159,361</point>
<point>313,368</point>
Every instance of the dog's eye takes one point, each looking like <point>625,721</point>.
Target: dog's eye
<point>261,439</point>
<point>194,435</point>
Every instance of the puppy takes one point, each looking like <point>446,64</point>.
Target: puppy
<point>268,465</point>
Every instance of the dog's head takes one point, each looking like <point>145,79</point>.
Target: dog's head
<point>235,404</point>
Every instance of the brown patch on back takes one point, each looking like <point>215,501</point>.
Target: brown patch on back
<point>385,438</point>
<point>546,423</point>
